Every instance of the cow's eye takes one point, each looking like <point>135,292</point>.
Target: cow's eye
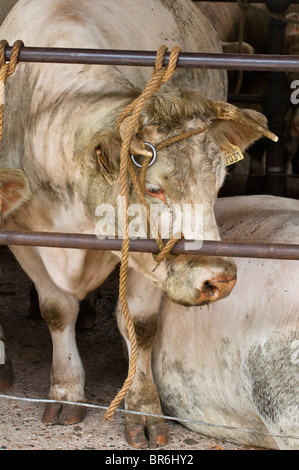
<point>156,191</point>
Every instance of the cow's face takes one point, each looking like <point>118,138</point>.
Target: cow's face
<point>188,176</point>
<point>190,173</point>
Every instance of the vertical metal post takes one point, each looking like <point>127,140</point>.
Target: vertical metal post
<point>275,102</point>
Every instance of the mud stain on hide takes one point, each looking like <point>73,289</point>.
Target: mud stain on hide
<point>273,371</point>
<point>52,316</point>
<point>145,331</point>
<point>170,394</point>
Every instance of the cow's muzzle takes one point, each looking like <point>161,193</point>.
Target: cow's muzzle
<point>200,280</point>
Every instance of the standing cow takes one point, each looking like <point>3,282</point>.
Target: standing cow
<point>235,363</point>
<point>61,125</point>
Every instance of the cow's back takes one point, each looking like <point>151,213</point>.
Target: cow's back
<point>53,100</point>
<point>119,24</point>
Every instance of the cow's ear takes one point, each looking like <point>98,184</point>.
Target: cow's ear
<point>14,190</point>
<point>236,126</point>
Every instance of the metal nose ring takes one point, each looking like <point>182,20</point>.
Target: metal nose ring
<point>154,157</point>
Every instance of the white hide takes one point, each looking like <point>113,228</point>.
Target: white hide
<point>236,362</point>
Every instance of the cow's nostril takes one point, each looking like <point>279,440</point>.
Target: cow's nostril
<point>210,290</point>
<point>216,289</point>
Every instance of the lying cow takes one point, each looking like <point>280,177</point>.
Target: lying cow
<point>61,126</point>
<point>235,363</point>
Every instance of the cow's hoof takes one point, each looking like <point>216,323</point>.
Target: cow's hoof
<point>151,435</point>
<point>56,413</point>
<point>6,376</point>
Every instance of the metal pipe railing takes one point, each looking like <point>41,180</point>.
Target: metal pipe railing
<point>188,247</point>
<point>263,62</point>
<point>292,2</point>
<point>147,59</point>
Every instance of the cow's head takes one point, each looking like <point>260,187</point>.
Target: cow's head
<point>191,172</point>
<point>14,190</point>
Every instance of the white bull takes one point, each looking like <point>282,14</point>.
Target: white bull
<point>236,362</point>
<point>60,129</point>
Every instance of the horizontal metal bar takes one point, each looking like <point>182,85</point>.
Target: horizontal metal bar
<point>91,242</point>
<point>292,2</point>
<point>283,63</point>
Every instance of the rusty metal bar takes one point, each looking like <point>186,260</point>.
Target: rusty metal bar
<point>91,242</point>
<point>268,62</point>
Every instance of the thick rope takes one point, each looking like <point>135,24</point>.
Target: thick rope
<point>134,109</point>
<point>6,70</point>
<point>159,76</point>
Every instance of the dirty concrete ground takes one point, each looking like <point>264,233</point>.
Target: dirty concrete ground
<point>29,347</point>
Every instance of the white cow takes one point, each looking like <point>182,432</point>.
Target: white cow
<point>61,126</point>
<point>236,362</point>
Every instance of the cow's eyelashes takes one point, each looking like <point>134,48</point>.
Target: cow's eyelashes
<point>152,188</point>
<point>155,191</point>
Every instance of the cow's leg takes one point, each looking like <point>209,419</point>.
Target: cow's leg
<point>144,302</point>
<point>6,374</point>
<point>60,311</point>
<point>87,311</point>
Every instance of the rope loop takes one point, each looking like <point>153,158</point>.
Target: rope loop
<point>6,70</point>
<point>13,62</point>
<point>3,45</point>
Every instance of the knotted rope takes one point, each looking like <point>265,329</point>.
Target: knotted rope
<point>159,76</point>
<point>6,70</point>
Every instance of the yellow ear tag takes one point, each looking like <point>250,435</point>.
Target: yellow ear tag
<point>233,156</point>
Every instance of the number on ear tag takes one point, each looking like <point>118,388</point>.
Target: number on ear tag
<point>233,156</point>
